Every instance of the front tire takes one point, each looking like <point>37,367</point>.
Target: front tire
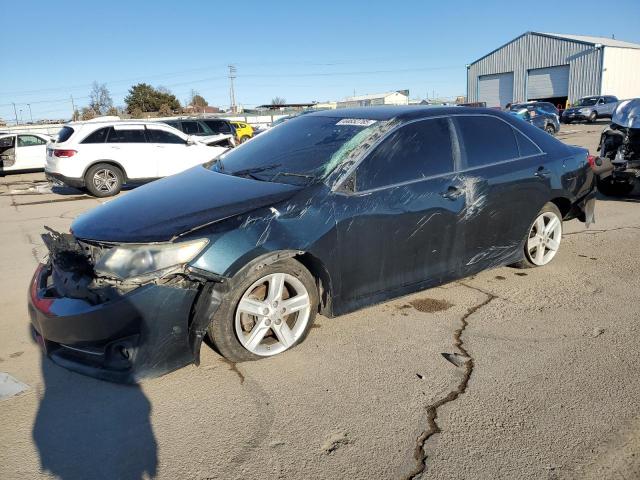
<point>268,311</point>
<point>550,129</point>
<point>543,240</point>
<point>593,116</point>
<point>103,180</point>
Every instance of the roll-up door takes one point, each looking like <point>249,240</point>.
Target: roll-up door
<point>496,90</point>
<point>548,82</point>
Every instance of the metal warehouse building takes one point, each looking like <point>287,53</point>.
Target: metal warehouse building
<point>555,67</point>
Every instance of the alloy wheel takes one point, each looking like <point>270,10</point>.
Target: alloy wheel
<point>544,238</point>
<point>272,314</point>
<point>105,180</point>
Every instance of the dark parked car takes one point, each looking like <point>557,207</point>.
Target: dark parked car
<point>549,122</point>
<point>329,212</point>
<point>547,107</point>
<point>591,108</point>
<point>202,128</point>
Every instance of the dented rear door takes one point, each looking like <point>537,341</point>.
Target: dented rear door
<point>506,179</point>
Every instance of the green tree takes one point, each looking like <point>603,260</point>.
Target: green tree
<point>148,99</point>
<point>137,113</point>
<point>165,110</point>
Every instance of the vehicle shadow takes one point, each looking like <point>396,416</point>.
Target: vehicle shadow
<point>633,197</point>
<point>87,428</point>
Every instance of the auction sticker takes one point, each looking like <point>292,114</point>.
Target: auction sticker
<point>358,122</point>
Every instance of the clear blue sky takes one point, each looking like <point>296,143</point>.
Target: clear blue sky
<point>298,50</point>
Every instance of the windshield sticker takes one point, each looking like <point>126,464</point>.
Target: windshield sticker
<point>357,122</point>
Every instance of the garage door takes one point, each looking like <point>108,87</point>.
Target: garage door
<point>496,90</point>
<point>548,82</point>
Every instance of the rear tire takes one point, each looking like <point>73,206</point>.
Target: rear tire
<point>612,188</point>
<point>103,180</point>
<point>240,336</point>
<point>543,238</point>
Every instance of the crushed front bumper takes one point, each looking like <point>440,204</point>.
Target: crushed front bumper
<point>145,332</point>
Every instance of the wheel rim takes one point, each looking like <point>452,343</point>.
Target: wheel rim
<point>550,129</point>
<point>544,238</point>
<point>272,314</point>
<point>105,180</point>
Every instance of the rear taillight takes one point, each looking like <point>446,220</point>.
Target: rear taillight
<point>594,161</point>
<point>64,153</point>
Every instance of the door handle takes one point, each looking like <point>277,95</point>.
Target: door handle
<point>453,193</point>
<point>542,173</point>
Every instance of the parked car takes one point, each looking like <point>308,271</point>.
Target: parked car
<point>620,150</point>
<point>103,156</point>
<point>537,117</point>
<point>23,151</point>
<point>329,212</point>
<point>244,131</point>
<point>546,107</point>
<point>591,108</point>
<point>202,128</point>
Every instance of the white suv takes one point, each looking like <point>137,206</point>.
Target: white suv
<point>101,156</point>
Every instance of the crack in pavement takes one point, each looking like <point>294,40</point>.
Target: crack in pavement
<point>432,410</point>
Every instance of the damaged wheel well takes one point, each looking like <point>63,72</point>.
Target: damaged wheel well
<point>323,279</point>
<point>564,205</point>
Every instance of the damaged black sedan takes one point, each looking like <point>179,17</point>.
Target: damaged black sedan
<point>329,212</point>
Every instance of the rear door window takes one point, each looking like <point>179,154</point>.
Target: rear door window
<point>525,146</point>
<point>419,150</point>
<point>99,136</point>
<point>190,128</point>
<point>126,136</point>
<point>162,136</point>
<point>486,140</point>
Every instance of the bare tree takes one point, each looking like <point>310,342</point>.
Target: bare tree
<point>278,101</point>
<point>99,98</point>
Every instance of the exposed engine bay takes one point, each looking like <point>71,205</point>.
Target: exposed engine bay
<point>620,144</point>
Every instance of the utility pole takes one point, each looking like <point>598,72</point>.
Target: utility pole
<point>73,110</point>
<point>30,114</point>
<point>15,113</point>
<point>232,93</point>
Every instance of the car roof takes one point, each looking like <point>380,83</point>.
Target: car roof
<point>110,122</point>
<point>402,112</point>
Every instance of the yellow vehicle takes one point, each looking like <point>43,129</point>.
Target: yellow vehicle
<point>244,131</point>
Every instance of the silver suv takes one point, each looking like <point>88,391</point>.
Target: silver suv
<point>591,108</point>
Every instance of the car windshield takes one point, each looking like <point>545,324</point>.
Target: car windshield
<point>301,149</point>
<point>586,102</point>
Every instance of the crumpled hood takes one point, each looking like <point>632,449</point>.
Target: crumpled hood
<point>163,209</point>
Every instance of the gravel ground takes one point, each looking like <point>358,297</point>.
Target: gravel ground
<point>549,388</point>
